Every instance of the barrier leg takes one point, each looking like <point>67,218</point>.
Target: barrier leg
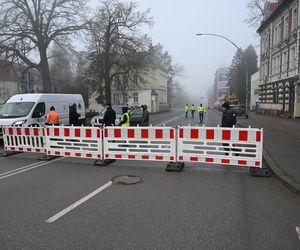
<point>47,158</point>
<point>175,167</point>
<point>103,163</point>
<point>260,172</point>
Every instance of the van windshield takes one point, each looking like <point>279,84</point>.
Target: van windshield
<point>15,109</point>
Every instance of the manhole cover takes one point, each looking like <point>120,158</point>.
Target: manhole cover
<point>126,179</point>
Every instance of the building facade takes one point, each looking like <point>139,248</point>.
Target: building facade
<point>151,91</point>
<point>17,79</point>
<point>255,90</point>
<point>279,60</point>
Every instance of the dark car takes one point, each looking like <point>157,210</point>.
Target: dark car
<point>135,113</point>
<point>239,109</point>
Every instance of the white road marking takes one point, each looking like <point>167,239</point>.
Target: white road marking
<point>27,168</point>
<point>298,232</point>
<point>77,203</point>
<point>17,169</point>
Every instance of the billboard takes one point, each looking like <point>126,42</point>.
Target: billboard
<point>222,82</point>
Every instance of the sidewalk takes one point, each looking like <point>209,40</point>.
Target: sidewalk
<point>281,145</point>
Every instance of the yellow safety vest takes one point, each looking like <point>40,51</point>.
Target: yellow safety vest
<point>186,108</point>
<point>201,109</point>
<point>127,123</point>
<point>193,108</point>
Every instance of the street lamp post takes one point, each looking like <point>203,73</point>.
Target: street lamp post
<point>246,66</point>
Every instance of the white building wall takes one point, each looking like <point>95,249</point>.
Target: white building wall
<point>254,97</point>
<point>8,89</point>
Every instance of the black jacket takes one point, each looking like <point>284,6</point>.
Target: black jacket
<point>145,121</point>
<point>73,116</point>
<point>228,119</point>
<point>109,117</point>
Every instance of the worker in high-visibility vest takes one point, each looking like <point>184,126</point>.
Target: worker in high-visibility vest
<point>201,110</point>
<point>193,108</point>
<point>52,117</point>
<point>186,110</point>
<point>125,120</point>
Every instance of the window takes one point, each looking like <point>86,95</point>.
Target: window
<point>39,110</point>
<point>295,19</point>
<point>275,36</point>
<point>135,97</point>
<point>284,61</point>
<point>292,62</point>
<point>279,33</point>
<point>286,27</point>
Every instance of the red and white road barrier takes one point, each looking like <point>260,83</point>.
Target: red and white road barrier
<point>140,143</point>
<point>81,142</point>
<point>215,145</point>
<point>24,139</point>
<point>230,146</point>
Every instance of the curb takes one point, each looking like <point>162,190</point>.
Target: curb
<point>288,182</point>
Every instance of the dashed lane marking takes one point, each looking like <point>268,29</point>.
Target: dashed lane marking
<point>27,168</point>
<point>77,203</point>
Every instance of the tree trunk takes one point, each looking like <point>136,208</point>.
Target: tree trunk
<point>45,72</point>
<point>107,89</point>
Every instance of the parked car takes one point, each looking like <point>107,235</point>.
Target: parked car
<point>135,113</point>
<point>239,109</point>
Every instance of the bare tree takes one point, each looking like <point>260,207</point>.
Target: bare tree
<point>28,27</point>
<point>256,12</point>
<point>118,46</point>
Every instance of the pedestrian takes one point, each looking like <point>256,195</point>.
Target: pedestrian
<point>145,121</point>
<point>125,120</point>
<point>73,115</point>
<point>229,117</point>
<point>186,110</point>
<point>109,117</point>
<point>52,117</point>
<point>193,108</point>
<point>201,110</point>
<point>228,121</point>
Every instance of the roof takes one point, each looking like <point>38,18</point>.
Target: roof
<point>276,9</point>
<point>51,97</point>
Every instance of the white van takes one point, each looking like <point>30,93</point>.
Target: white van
<point>31,109</point>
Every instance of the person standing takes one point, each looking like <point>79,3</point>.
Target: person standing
<point>145,121</point>
<point>186,110</point>
<point>125,120</point>
<point>52,117</point>
<point>229,117</point>
<point>193,108</point>
<point>73,115</point>
<point>201,110</point>
<point>228,121</point>
<point>109,117</point>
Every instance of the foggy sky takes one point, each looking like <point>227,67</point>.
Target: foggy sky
<point>177,21</point>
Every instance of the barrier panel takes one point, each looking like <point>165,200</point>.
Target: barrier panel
<point>81,142</point>
<point>215,145</point>
<point>24,139</point>
<point>218,145</point>
<point>140,143</point>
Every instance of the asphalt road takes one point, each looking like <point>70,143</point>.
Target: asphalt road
<point>203,207</point>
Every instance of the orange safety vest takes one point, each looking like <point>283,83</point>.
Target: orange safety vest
<point>52,118</point>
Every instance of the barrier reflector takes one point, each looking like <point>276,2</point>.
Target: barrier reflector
<point>24,139</point>
<point>140,143</point>
<point>218,145</point>
<point>81,142</point>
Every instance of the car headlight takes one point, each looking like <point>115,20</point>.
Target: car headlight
<point>19,123</point>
